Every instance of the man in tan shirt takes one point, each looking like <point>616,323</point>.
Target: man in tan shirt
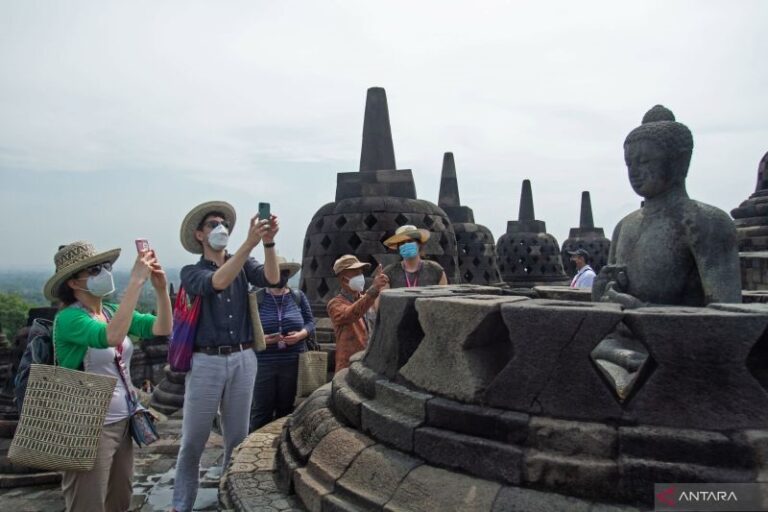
<point>348,309</point>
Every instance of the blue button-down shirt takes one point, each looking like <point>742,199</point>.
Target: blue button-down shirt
<point>224,316</point>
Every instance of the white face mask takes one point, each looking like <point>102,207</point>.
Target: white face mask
<point>357,283</point>
<point>218,238</point>
<point>100,285</point>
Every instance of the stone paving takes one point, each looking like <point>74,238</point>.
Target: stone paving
<point>248,484</point>
<point>154,471</point>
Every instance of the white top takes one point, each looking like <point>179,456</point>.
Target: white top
<point>583,278</point>
<point>102,361</point>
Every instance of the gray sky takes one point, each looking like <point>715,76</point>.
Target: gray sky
<point>117,117</point>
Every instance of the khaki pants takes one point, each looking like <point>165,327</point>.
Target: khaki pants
<point>108,486</point>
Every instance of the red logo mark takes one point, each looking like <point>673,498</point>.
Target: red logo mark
<point>666,497</point>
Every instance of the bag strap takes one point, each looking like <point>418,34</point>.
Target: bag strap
<point>130,398</point>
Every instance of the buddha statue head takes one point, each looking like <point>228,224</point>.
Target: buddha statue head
<point>658,153</point>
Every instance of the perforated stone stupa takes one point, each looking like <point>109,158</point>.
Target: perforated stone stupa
<point>475,243</point>
<point>370,205</point>
<point>587,237</point>
<point>527,254</point>
<point>752,232</point>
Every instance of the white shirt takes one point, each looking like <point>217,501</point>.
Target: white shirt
<point>583,278</point>
<point>102,361</point>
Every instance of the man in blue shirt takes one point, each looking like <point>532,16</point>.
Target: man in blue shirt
<point>223,363</point>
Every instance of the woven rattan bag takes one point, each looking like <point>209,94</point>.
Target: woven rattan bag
<point>62,419</point>
<point>313,370</point>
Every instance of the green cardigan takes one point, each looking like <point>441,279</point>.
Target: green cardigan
<point>74,331</point>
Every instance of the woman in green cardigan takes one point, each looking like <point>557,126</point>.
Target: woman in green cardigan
<point>89,334</point>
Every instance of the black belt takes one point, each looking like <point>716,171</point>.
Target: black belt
<point>224,350</point>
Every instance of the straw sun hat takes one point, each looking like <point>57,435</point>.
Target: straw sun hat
<point>290,266</point>
<point>196,216</point>
<point>70,260</point>
<point>349,261</point>
<point>407,233</point>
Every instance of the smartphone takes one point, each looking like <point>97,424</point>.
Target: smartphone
<point>264,212</point>
<point>142,244</point>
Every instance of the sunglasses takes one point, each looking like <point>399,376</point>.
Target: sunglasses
<point>96,269</point>
<point>213,224</point>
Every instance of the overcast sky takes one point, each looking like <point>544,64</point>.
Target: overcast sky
<point>117,117</point>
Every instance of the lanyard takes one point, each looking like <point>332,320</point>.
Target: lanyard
<point>408,283</point>
<point>279,312</point>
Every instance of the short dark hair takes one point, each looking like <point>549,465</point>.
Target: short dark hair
<point>208,216</point>
<point>66,294</point>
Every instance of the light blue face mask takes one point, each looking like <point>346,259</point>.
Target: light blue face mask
<point>409,250</point>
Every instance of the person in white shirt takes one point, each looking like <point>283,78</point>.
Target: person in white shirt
<point>584,273</point>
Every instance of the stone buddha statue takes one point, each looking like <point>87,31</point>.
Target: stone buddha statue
<point>672,251</point>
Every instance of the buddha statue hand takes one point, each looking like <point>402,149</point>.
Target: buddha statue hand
<point>615,274</point>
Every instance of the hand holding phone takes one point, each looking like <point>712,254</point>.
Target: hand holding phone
<point>142,245</point>
<point>264,211</point>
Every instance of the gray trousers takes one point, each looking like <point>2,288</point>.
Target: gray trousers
<point>214,383</point>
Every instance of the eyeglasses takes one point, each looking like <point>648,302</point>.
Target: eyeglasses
<point>213,224</point>
<point>96,269</point>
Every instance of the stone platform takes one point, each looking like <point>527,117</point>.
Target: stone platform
<point>471,400</point>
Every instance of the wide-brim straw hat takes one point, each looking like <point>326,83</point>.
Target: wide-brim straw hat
<point>70,260</point>
<point>290,266</point>
<point>347,262</point>
<point>196,216</point>
<point>407,233</point>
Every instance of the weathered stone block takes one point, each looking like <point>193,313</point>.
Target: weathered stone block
<point>564,293</point>
<point>474,420</point>
<point>696,383</point>
<point>477,456</point>
<point>402,399</point>
<point>427,489</point>
<point>687,446</point>
<point>466,344</point>
<point>577,476</point>
<point>389,426</point>
<point>347,404</point>
<point>398,332</point>
<point>362,379</point>
<point>551,372</point>
<point>285,464</point>
<point>573,437</point>
<point>372,478</point>
<point>334,453</point>
<point>305,435</point>
<point>309,489</point>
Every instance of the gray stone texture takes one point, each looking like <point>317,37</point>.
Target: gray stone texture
<point>696,382</point>
<point>389,425</point>
<point>520,499</point>
<point>310,489</point>
<point>551,373</point>
<point>585,477</point>
<point>485,422</point>
<point>362,379</point>
<point>335,453</point>
<point>372,478</point>
<point>402,399</point>
<point>563,292</point>
<point>346,402</point>
<point>396,339</point>
<point>688,446</point>
<point>480,457</point>
<point>527,254</point>
<point>573,438</point>
<point>429,489</point>
<point>466,344</point>
<point>751,217</point>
